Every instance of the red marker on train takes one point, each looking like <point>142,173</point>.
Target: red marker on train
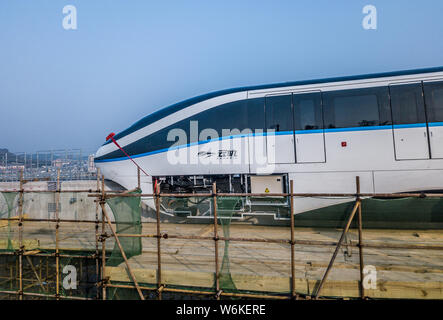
<point>111,136</point>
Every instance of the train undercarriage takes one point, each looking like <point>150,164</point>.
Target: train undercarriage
<point>237,207</point>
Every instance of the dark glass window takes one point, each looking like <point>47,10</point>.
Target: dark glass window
<point>356,108</point>
<point>307,111</point>
<point>434,101</point>
<point>231,115</point>
<point>227,116</point>
<point>279,113</point>
<point>256,113</point>
<point>407,104</point>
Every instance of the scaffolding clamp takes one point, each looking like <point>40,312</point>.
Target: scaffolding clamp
<point>103,237</point>
<point>103,282</point>
<point>218,294</point>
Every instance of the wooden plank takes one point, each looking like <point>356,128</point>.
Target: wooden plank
<point>385,289</point>
<point>180,278</point>
<point>31,253</point>
<point>29,244</point>
<point>4,223</point>
<point>332,288</point>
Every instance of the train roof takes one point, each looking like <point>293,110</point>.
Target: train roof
<point>151,118</point>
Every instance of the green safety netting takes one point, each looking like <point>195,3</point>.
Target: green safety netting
<point>225,209</point>
<point>127,215</point>
<point>395,213</point>
<point>74,239</point>
<point>7,211</point>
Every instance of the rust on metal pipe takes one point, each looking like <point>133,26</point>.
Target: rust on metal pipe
<point>20,236</point>
<point>217,275</point>
<point>292,241</point>
<point>299,194</point>
<point>158,236</point>
<point>91,191</point>
<point>296,242</point>
<point>49,220</point>
<point>38,254</point>
<point>57,226</point>
<point>103,239</point>
<point>191,291</point>
<point>97,225</point>
<point>360,240</point>
<point>44,295</point>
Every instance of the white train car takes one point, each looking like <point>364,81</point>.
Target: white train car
<point>385,128</point>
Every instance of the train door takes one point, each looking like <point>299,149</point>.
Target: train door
<point>308,124</point>
<point>433,93</point>
<point>409,122</point>
<point>280,132</point>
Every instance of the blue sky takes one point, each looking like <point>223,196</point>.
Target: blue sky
<point>70,88</point>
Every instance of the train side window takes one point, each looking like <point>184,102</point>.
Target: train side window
<point>434,101</point>
<point>279,113</point>
<point>222,118</point>
<point>407,104</point>
<point>256,113</point>
<point>229,116</point>
<point>307,111</point>
<point>357,108</point>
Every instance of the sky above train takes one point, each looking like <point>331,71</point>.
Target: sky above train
<point>69,88</point>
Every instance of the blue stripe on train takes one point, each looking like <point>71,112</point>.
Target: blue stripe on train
<point>257,134</point>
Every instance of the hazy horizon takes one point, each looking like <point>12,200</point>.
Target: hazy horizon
<point>70,88</point>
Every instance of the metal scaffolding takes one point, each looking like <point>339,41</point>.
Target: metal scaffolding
<point>103,223</point>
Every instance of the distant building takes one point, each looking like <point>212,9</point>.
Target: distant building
<point>91,165</point>
<point>13,167</point>
<point>58,163</point>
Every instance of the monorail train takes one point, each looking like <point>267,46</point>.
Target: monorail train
<point>386,128</point>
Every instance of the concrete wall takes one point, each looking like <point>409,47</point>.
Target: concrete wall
<point>41,205</point>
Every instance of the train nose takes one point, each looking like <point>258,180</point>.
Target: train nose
<point>104,150</point>
<point>99,153</point>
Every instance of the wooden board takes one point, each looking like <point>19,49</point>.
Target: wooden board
<point>331,288</point>
<point>5,223</point>
<point>28,244</point>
